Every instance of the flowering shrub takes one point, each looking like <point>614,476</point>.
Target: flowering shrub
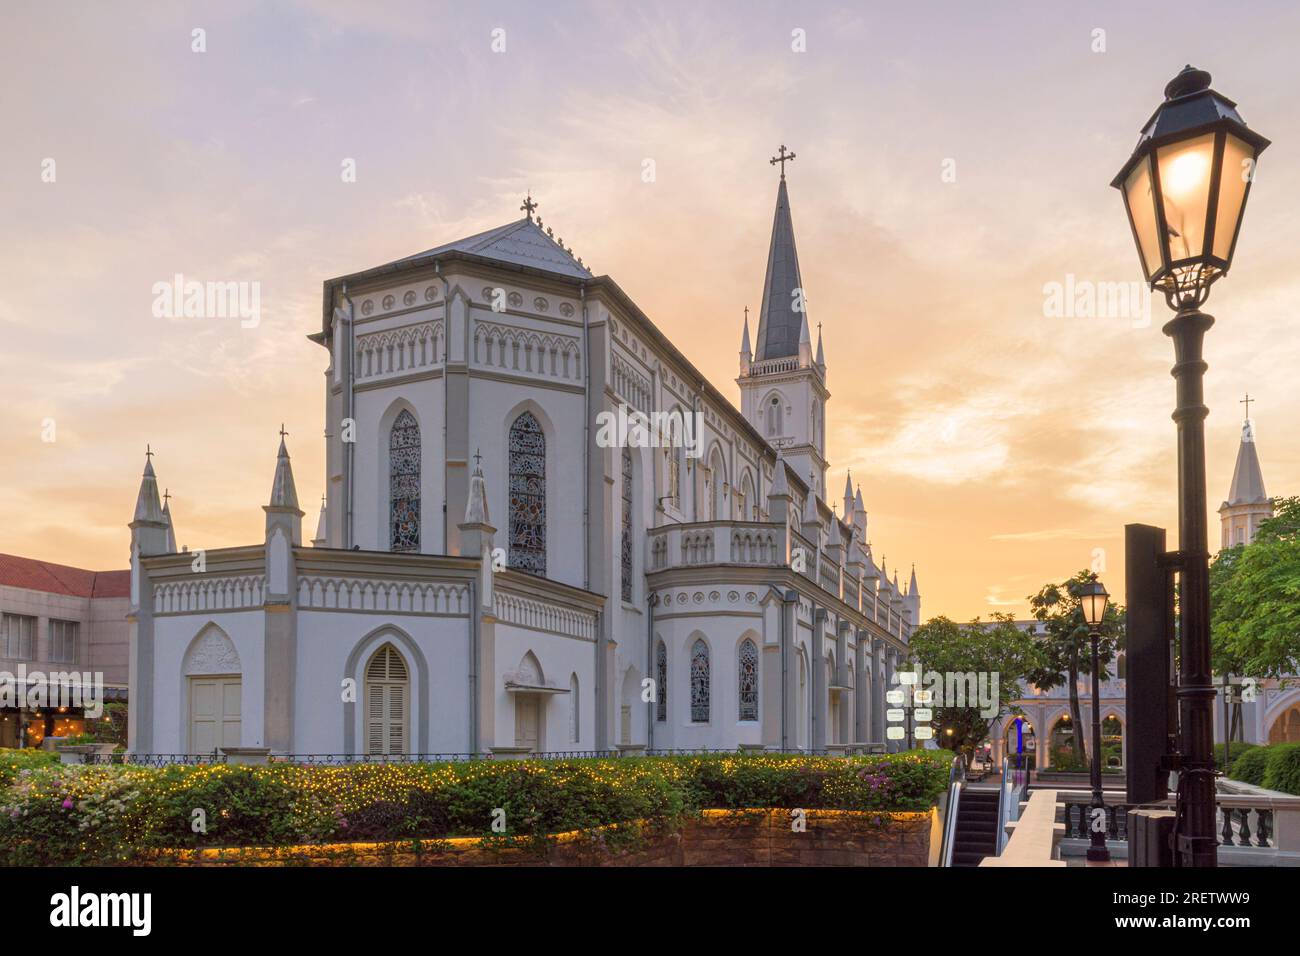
<point>89,814</point>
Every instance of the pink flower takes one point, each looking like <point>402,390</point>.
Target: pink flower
<point>67,803</point>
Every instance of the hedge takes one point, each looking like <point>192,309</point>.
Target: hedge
<point>89,814</point>
<point>1283,769</point>
<point>1273,767</point>
<point>1237,750</point>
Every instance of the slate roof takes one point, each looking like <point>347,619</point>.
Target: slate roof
<point>779,325</point>
<point>522,242</point>
<point>1247,477</point>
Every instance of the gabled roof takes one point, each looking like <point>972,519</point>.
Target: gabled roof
<point>33,575</point>
<point>1247,478</point>
<point>521,243</point>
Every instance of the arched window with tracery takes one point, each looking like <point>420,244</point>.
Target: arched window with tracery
<point>387,697</point>
<point>700,678</point>
<point>626,549</point>
<point>404,483</point>
<point>661,682</point>
<point>748,680</point>
<point>527,495</point>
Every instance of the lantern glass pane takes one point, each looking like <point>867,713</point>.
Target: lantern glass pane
<point>1142,207</point>
<point>1185,170</point>
<point>1238,169</point>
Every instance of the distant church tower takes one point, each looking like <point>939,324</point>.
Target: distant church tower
<point>783,382</point>
<point>1247,505</point>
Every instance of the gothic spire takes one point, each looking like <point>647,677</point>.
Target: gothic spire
<point>821,355</point>
<point>1247,478</point>
<point>171,529</point>
<point>321,527</point>
<point>912,590</point>
<point>781,314</point>
<point>476,505</point>
<point>283,492</point>
<point>147,506</point>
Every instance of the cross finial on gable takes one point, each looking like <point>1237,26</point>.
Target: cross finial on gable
<point>782,157</point>
<point>529,205</point>
<point>1246,401</point>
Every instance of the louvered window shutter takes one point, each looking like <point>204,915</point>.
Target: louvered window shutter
<point>386,703</point>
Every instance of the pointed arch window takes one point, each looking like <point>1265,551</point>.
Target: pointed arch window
<point>774,417</point>
<point>387,698</point>
<point>626,544</point>
<point>748,680</point>
<point>574,715</point>
<point>675,477</point>
<point>404,483</point>
<point>661,682</point>
<point>700,678</point>
<point>528,495</point>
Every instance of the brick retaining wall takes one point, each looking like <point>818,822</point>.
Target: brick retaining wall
<point>762,837</point>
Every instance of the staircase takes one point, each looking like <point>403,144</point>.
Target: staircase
<point>977,827</point>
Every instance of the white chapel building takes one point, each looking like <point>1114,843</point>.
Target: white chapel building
<point>488,577</point>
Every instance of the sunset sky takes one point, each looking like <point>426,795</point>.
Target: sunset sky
<point>997,446</point>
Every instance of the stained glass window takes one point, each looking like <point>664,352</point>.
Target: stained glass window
<point>528,495</point>
<point>627,524</point>
<point>748,680</point>
<point>700,682</point>
<point>404,483</point>
<point>661,682</point>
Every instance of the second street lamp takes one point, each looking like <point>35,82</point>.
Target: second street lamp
<point>1185,189</point>
<point>1092,599</point>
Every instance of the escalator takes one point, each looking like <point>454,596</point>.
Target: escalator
<point>976,833</point>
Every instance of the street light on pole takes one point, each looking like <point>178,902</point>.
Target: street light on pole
<point>1092,600</point>
<point>1185,189</point>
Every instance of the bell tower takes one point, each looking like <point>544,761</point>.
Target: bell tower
<point>783,382</point>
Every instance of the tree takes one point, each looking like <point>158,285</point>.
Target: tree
<point>1066,647</point>
<point>1255,599</point>
<point>996,647</point>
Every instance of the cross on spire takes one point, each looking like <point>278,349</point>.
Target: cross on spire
<point>529,205</point>
<point>1246,401</point>
<point>477,457</point>
<point>167,496</point>
<point>282,431</point>
<point>782,157</point>
<point>148,452</point>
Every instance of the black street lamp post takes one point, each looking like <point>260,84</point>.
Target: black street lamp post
<point>1092,599</point>
<point>1185,189</point>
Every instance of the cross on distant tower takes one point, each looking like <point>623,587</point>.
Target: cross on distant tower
<point>282,431</point>
<point>529,205</point>
<point>167,496</point>
<point>782,157</point>
<point>477,457</point>
<point>148,452</point>
<point>1246,401</point>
